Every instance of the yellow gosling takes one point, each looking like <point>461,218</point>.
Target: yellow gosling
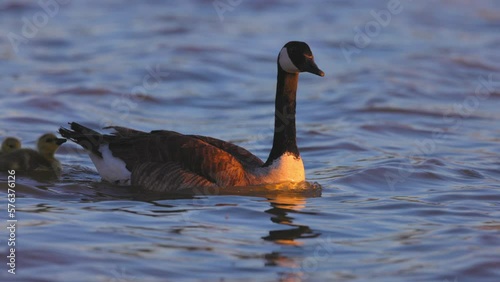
<point>31,160</point>
<point>10,144</point>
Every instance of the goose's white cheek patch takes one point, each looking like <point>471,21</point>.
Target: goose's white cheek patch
<point>286,63</point>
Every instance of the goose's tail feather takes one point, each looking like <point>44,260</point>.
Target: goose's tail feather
<point>89,139</point>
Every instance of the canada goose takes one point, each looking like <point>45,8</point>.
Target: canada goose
<point>31,160</point>
<point>165,160</point>
<point>10,144</point>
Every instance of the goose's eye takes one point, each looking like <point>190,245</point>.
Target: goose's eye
<point>49,140</point>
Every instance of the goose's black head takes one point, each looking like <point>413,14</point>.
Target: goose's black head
<point>296,57</point>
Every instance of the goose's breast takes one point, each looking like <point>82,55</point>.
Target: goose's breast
<point>287,168</point>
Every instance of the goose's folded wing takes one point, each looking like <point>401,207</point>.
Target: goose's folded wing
<point>167,177</point>
<point>241,154</point>
<point>190,153</point>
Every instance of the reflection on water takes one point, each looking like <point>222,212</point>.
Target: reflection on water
<point>282,212</point>
<point>400,140</point>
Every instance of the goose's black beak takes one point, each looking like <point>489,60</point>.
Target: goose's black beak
<point>59,141</point>
<point>311,67</point>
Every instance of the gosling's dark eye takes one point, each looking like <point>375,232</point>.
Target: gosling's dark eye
<point>49,140</point>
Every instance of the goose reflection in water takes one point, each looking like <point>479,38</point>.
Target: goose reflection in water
<point>283,208</point>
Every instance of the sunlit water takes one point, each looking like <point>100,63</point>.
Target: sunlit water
<point>402,135</point>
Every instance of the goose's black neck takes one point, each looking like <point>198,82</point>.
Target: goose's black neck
<point>284,117</point>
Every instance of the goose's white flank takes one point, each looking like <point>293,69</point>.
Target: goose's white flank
<point>166,161</point>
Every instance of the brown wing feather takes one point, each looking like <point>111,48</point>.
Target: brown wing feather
<point>167,177</point>
<point>244,156</point>
<point>241,154</point>
<point>190,153</point>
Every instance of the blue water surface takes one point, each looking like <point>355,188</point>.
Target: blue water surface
<point>401,134</point>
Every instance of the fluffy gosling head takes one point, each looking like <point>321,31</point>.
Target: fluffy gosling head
<point>48,144</point>
<point>10,144</point>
